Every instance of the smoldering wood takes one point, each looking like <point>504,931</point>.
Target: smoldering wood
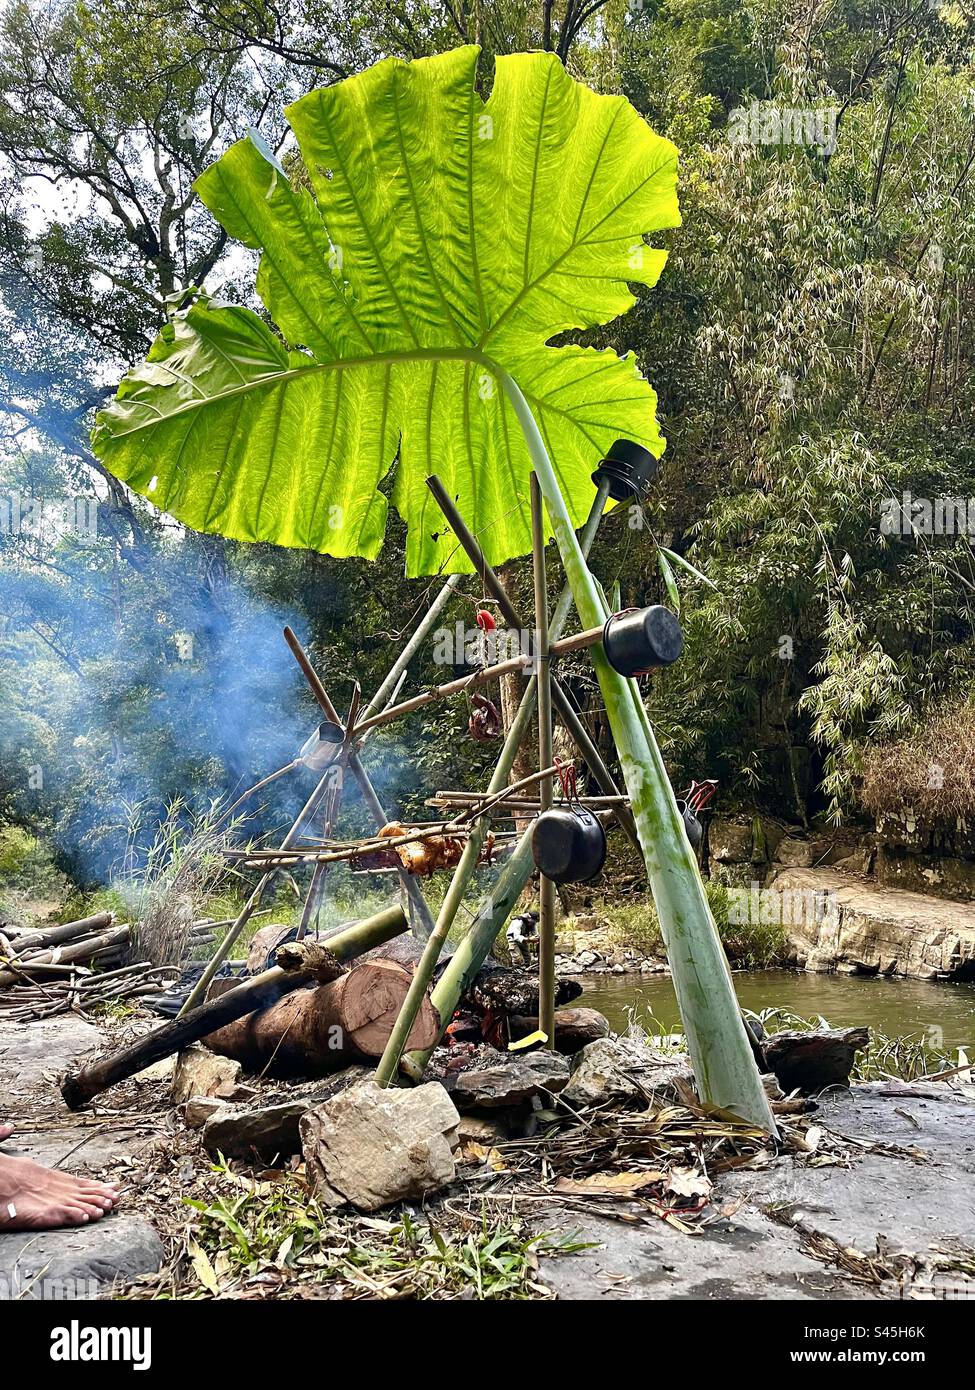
<point>500,990</point>
<point>315,1031</point>
<point>299,962</point>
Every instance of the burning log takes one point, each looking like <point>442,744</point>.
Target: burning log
<point>315,1031</point>
<point>299,963</point>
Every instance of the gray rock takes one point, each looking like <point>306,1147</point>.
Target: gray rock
<point>730,841</point>
<point>270,1132</point>
<point>623,1069</point>
<point>371,1147</point>
<point>838,923</point>
<point>795,854</point>
<point>29,1052</point>
<point>811,1062</point>
<point>81,1263</point>
<point>516,1080</point>
<point>199,1109</point>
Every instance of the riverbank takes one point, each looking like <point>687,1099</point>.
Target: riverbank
<point>866,1191</point>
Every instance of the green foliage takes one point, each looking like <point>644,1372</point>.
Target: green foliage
<point>848,276</point>
<point>17,853</point>
<point>249,1228</point>
<point>432,240</point>
<point>748,945</point>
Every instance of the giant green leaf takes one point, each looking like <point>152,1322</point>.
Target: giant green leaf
<point>424,241</point>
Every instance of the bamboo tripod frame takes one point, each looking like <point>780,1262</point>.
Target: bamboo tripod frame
<point>539,691</point>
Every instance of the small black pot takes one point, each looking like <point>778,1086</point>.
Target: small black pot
<point>694,828</point>
<point>568,844</point>
<point>629,469</point>
<point>640,639</point>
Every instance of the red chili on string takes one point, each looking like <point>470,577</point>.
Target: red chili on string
<point>485,621</point>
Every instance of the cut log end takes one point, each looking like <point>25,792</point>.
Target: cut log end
<point>315,1031</point>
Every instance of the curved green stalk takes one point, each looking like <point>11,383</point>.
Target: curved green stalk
<point>718,1045</point>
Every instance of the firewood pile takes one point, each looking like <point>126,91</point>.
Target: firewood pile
<point>77,965</point>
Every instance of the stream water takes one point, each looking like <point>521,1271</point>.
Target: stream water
<point>893,1007</point>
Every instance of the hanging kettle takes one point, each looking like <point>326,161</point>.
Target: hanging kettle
<point>568,844</point>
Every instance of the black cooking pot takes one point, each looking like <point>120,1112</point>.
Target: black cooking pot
<point>568,844</point>
<point>629,469</point>
<point>694,828</point>
<point>640,639</point>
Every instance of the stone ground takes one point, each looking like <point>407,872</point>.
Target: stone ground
<point>760,1249</point>
<point>891,1203</point>
<point>84,1260</point>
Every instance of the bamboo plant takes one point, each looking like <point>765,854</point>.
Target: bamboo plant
<point>419,249</point>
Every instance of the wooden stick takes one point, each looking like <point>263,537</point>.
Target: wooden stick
<point>34,940</point>
<point>577,642</point>
<point>306,961</point>
<point>74,951</point>
<point>376,809</point>
<point>546,888</point>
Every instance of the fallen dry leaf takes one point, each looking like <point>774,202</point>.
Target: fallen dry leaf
<point>609,1184</point>
<point>687,1182</point>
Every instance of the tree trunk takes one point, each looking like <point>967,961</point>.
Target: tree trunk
<point>315,1031</point>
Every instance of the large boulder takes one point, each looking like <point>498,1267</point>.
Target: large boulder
<point>371,1146</point>
<point>837,923</point>
<point>626,1069</point>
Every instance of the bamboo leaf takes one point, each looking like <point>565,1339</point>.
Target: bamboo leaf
<point>202,1267</point>
<point>670,583</point>
<point>686,565</point>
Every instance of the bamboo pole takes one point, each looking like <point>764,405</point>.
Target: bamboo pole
<point>579,641</point>
<point>480,937</point>
<point>473,950</point>
<point>422,632</point>
<point>563,703</point>
<point>389,1062</point>
<point>372,801</point>
<point>546,888</point>
<point>724,1066</point>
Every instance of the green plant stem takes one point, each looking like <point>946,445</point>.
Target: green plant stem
<point>473,950</point>
<point>546,888</point>
<point>724,1067</point>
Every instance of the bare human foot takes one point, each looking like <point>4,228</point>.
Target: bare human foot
<point>34,1198</point>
